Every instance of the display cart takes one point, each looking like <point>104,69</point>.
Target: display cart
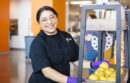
<point>119,27</point>
<point>128,15</point>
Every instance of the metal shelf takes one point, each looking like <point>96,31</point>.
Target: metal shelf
<point>117,8</point>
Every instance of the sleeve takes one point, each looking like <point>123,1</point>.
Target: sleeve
<point>89,32</point>
<point>38,56</point>
<point>75,48</point>
<point>96,33</point>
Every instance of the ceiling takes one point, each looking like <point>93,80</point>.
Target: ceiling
<point>123,2</point>
<point>75,10</point>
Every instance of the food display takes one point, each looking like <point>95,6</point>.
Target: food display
<point>104,73</point>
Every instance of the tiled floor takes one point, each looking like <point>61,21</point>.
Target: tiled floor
<point>15,68</point>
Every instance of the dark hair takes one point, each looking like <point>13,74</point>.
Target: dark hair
<point>43,9</point>
<point>93,16</point>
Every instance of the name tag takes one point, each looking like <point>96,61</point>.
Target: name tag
<point>68,39</point>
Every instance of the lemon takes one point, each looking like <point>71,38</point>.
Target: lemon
<point>103,78</point>
<point>111,79</point>
<point>111,69</point>
<point>97,72</point>
<point>108,72</point>
<point>101,69</point>
<point>113,74</point>
<point>101,74</point>
<point>106,75</point>
<point>104,65</point>
<point>121,71</point>
<point>93,77</point>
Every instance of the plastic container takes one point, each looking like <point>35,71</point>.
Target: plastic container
<point>28,41</point>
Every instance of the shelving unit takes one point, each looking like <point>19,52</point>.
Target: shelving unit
<point>117,8</point>
<point>128,14</point>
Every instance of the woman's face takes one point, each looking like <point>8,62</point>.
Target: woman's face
<point>48,21</point>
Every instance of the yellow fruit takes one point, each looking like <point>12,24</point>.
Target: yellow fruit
<point>101,69</point>
<point>103,78</point>
<point>113,74</point>
<point>101,74</point>
<point>111,69</point>
<point>121,71</point>
<point>104,65</point>
<point>108,72</point>
<point>111,79</point>
<point>93,77</point>
<point>106,75</point>
<point>97,72</point>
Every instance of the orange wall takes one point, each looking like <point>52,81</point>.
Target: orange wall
<point>59,5</point>
<point>35,5</point>
<point>4,25</point>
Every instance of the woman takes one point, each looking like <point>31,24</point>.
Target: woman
<point>52,50</point>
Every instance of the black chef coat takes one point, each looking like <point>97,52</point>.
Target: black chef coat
<point>55,51</point>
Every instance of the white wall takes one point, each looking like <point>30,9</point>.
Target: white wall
<point>21,10</point>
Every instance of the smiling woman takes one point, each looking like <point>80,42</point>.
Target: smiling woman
<point>52,50</point>
<point>48,22</point>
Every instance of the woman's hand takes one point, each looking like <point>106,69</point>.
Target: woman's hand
<point>73,80</point>
<point>97,63</point>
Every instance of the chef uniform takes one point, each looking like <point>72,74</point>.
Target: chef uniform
<point>55,51</point>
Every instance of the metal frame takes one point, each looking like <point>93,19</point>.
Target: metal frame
<point>128,39</point>
<point>84,9</point>
<point>126,48</point>
<point>101,44</point>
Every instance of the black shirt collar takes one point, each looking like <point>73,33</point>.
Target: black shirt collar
<point>43,34</point>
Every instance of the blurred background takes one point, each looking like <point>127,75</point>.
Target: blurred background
<point>18,28</point>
